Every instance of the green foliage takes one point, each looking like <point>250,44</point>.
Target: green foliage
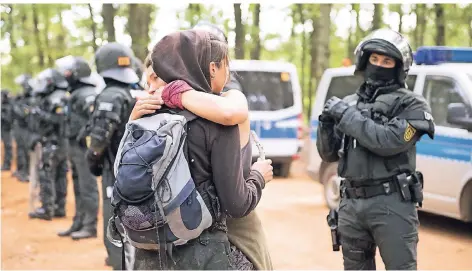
<point>56,37</point>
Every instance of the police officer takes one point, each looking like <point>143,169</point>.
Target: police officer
<point>21,111</point>
<point>112,110</point>
<point>82,91</point>
<point>372,134</point>
<point>7,122</point>
<point>51,86</point>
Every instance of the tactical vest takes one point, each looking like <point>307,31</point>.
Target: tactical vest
<point>54,126</point>
<point>80,108</point>
<point>113,106</point>
<point>360,164</point>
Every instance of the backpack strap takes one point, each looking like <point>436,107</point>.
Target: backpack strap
<point>189,116</point>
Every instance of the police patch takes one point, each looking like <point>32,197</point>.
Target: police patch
<point>409,133</point>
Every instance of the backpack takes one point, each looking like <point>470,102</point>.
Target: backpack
<point>156,204</point>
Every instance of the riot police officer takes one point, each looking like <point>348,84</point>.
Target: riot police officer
<point>112,110</point>
<point>82,91</point>
<point>372,134</point>
<point>51,86</point>
<point>21,111</point>
<point>7,122</point>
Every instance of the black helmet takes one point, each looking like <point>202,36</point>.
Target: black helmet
<point>5,94</point>
<point>212,28</point>
<point>47,81</point>
<point>114,61</point>
<point>138,67</point>
<point>386,42</point>
<point>23,80</point>
<point>75,69</point>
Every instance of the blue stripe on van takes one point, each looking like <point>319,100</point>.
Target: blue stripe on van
<point>442,146</point>
<point>275,132</point>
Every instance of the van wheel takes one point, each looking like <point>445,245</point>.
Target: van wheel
<point>282,169</point>
<point>331,183</point>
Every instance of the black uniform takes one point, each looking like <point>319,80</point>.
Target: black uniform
<point>111,112</point>
<point>51,115</point>
<point>373,135</point>
<point>80,106</point>
<point>21,113</point>
<point>7,123</point>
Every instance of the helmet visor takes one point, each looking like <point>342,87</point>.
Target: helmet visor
<point>395,39</point>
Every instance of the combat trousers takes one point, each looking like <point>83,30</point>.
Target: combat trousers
<point>384,221</point>
<point>7,148</point>
<point>53,178</point>
<point>22,153</point>
<point>207,252</point>
<point>85,188</point>
<point>114,252</point>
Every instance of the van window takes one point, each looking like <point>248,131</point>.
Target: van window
<point>342,86</point>
<point>440,91</point>
<point>266,91</point>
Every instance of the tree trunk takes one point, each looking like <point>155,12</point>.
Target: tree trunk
<point>46,37</point>
<point>324,33</point>
<point>401,14</point>
<point>359,32</point>
<point>94,29</point>
<point>239,51</point>
<point>377,18</point>
<point>36,35</point>
<point>440,25</point>
<point>420,10</point>
<point>304,49</point>
<point>256,41</point>
<point>139,21</point>
<point>61,38</point>
<point>108,14</point>
<point>314,54</point>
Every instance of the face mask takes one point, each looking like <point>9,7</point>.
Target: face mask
<point>378,73</point>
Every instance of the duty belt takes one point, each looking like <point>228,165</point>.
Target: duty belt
<point>353,190</point>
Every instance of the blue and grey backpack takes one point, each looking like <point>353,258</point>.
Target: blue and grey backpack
<point>155,200</point>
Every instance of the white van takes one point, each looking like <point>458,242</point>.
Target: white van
<point>446,161</point>
<point>274,97</point>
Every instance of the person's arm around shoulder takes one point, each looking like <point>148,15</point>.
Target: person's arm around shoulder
<point>230,108</point>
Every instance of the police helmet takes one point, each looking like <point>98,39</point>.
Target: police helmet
<point>212,28</point>
<point>5,94</point>
<point>47,81</point>
<point>385,42</point>
<point>75,69</point>
<point>23,80</point>
<point>114,60</point>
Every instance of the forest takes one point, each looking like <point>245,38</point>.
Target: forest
<point>312,36</point>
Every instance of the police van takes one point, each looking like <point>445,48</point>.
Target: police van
<point>274,98</point>
<point>443,75</point>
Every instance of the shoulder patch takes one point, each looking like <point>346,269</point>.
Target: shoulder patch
<point>409,133</point>
<point>104,106</point>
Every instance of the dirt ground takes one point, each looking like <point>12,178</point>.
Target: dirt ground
<point>293,215</point>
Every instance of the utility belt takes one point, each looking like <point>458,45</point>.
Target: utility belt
<point>410,187</point>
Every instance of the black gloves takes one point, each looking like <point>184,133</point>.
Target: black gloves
<point>95,163</point>
<point>335,108</point>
